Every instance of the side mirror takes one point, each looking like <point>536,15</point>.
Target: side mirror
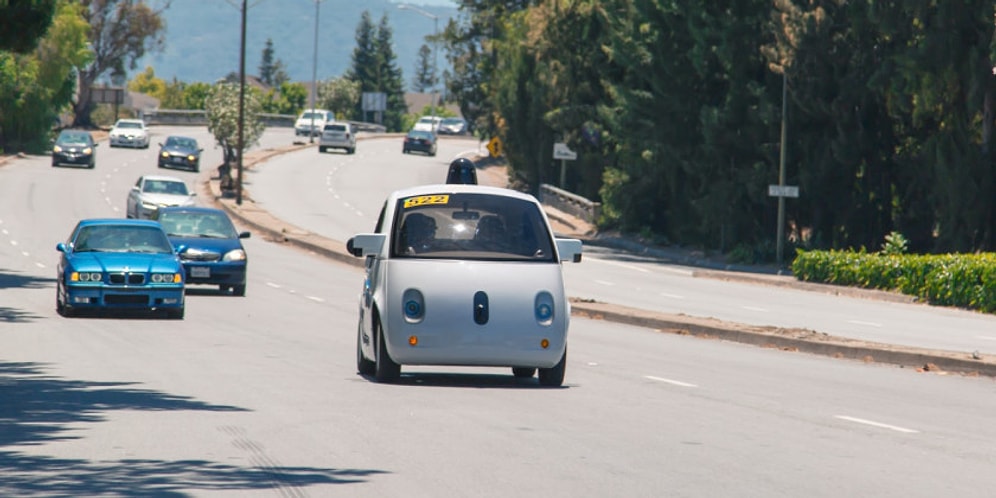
<point>244,235</point>
<point>366,244</point>
<point>569,250</point>
<point>61,247</point>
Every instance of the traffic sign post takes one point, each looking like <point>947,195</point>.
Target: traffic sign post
<point>564,153</point>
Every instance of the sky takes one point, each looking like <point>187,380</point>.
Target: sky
<point>432,3</point>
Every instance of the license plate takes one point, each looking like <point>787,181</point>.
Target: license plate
<point>178,160</point>
<point>200,272</point>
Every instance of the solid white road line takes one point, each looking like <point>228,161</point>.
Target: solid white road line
<point>755,308</point>
<point>672,296</point>
<point>860,322</point>
<point>877,424</point>
<point>670,381</point>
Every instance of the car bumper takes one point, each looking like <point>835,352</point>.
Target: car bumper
<point>110,298</point>
<point>178,162</point>
<point>64,158</point>
<point>127,142</point>
<point>419,148</point>
<point>306,130</point>
<point>215,273</point>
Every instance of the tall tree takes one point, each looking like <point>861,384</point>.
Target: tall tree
<point>272,71</point>
<point>23,23</point>
<point>423,79</point>
<point>35,87</point>
<point>121,32</point>
<point>374,67</point>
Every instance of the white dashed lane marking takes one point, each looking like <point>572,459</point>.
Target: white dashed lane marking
<point>877,424</point>
<point>669,381</point>
<point>755,308</point>
<point>869,324</point>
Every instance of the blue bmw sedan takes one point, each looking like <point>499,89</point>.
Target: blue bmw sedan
<point>119,265</point>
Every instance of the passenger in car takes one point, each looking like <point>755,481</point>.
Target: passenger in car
<point>417,233</point>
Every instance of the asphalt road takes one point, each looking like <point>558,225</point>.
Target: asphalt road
<point>259,396</point>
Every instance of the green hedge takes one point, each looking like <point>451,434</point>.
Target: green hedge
<point>960,280</point>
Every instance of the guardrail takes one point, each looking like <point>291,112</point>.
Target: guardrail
<point>570,203</point>
<point>192,117</point>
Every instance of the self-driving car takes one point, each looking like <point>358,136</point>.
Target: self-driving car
<point>463,275</point>
<point>116,264</point>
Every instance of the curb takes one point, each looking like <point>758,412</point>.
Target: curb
<point>794,340</point>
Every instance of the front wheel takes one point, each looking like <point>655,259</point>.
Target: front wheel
<point>554,376</point>
<point>239,290</point>
<point>363,365</point>
<point>385,369</point>
<point>523,372</point>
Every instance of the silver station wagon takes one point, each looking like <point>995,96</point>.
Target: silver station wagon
<point>463,275</point>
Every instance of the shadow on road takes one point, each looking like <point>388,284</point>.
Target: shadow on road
<point>13,280</point>
<point>37,408</point>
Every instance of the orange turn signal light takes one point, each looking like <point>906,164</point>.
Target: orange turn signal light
<point>545,343</point>
<point>413,340</point>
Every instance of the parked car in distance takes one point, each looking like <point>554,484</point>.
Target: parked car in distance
<point>337,136</point>
<point>152,192</point>
<point>462,170</point>
<point>74,147</point>
<point>209,246</point>
<point>118,265</point>
<point>463,275</point>
<point>129,133</point>
<point>453,126</point>
<point>427,123</point>
<point>420,141</point>
<point>312,121</point>
<point>180,152</point>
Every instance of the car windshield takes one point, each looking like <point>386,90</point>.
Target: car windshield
<point>128,124</point>
<point>452,121</point>
<point>121,238</point>
<point>316,115</point>
<point>470,226</point>
<point>188,143</point>
<point>335,127</point>
<point>73,138</point>
<point>420,134</point>
<point>164,187</point>
<point>197,224</point>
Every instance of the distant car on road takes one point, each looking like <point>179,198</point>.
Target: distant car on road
<point>337,136</point>
<point>453,126</point>
<point>152,192</point>
<point>428,123</point>
<point>118,265</point>
<point>312,121</point>
<point>74,147</point>
<point>209,246</point>
<point>129,133</point>
<point>420,141</point>
<point>463,275</point>
<point>180,152</point>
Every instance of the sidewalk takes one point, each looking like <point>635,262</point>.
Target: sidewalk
<point>793,340</point>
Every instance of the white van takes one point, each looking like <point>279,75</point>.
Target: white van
<point>312,121</point>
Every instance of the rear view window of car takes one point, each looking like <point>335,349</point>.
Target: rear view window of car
<point>335,127</point>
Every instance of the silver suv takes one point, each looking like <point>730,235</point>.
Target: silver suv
<point>337,136</point>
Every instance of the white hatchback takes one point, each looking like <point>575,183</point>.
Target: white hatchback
<point>337,136</point>
<point>463,275</point>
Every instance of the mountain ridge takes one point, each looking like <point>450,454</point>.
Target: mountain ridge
<point>202,38</point>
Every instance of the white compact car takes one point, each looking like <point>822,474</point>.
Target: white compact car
<point>152,192</point>
<point>463,275</point>
<point>337,136</point>
<point>129,133</point>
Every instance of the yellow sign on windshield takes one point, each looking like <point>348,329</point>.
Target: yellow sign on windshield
<point>423,200</point>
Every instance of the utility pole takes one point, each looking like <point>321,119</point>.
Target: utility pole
<point>242,103</point>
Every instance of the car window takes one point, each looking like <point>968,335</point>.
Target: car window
<point>335,127</point>
<point>128,124</point>
<point>470,226</point>
<point>165,187</point>
<point>110,238</point>
<point>197,224</point>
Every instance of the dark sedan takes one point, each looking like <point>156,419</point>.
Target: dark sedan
<point>74,147</point>
<point>208,244</point>
<point>180,152</point>
<point>420,141</point>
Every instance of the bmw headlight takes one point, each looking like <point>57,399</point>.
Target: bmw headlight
<point>234,255</point>
<point>86,276</point>
<point>166,278</point>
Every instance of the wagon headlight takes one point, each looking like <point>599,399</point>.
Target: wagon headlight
<point>87,150</point>
<point>165,155</point>
<point>191,158</point>
<point>234,255</point>
<point>414,305</point>
<point>543,308</point>
<point>166,278</point>
<point>57,148</point>
<point>86,276</point>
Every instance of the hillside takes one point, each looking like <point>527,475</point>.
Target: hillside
<point>202,36</point>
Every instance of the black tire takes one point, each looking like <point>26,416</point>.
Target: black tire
<point>175,314</point>
<point>363,365</point>
<point>523,372</point>
<point>321,150</point>
<point>351,150</point>
<point>239,290</point>
<point>385,369</point>
<point>554,376</point>
<point>92,165</point>
<point>61,307</point>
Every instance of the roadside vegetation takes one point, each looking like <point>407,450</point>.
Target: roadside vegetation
<point>675,110</point>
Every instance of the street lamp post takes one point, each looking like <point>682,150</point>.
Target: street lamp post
<point>314,76</point>
<point>242,102</point>
<point>435,50</point>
